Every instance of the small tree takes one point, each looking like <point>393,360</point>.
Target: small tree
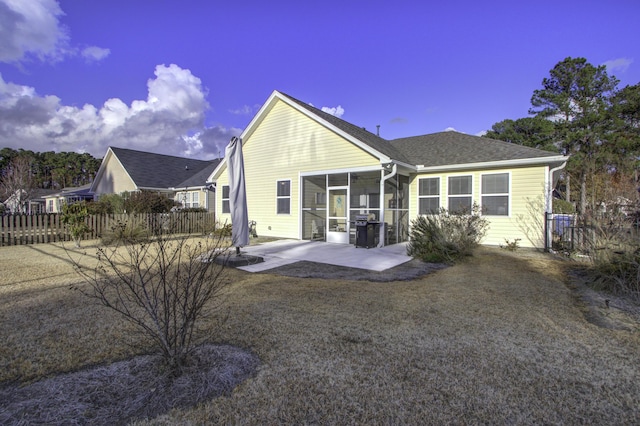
<point>74,217</point>
<point>17,183</point>
<point>165,288</point>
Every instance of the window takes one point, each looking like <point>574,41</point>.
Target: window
<point>460,199</point>
<point>195,199</point>
<point>495,194</point>
<point>283,196</point>
<point>429,196</point>
<point>225,199</point>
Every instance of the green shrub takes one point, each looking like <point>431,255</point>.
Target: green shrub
<point>147,202</point>
<point>562,207</point>
<point>74,217</point>
<point>446,237</point>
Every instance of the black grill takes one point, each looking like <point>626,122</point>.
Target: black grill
<point>367,230</point>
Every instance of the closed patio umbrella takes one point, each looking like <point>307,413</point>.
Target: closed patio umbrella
<point>237,194</point>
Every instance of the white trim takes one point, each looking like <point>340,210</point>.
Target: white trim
<point>365,147</point>
<point>493,164</point>
<point>459,195</point>
<point>429,196</point>
<point>222,199</point>
<point>509,193</point>
<point>278,197</point>
<point>343,170</point>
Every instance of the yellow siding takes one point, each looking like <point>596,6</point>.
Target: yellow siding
<point>526,213</point>
<point>115,179</point>
<point>285,144</point>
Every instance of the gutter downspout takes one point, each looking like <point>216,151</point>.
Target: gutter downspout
<point>549,206</point>
<point>394,171</point>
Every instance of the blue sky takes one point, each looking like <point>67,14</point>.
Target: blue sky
<point>183,77</point>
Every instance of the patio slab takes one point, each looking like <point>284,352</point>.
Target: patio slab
<point>283,252</point>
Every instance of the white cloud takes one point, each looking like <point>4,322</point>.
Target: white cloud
<point>618,65</point>
<point>449,129</point>
<point>31,27</point>
<point>170,120</point>
<point>95,53</point>
<point>336,111</point>
<point>244,110</point>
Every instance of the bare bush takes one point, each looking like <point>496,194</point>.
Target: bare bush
<point>614,250</point>
<point>446,237</point>
<point>164,287</point>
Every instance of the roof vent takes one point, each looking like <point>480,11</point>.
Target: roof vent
<point>186,167</point>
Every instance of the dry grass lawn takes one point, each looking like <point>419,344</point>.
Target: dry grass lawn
<point>502,338</point>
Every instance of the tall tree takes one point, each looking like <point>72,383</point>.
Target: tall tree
<point>535,132</point>
<point>576,97</point>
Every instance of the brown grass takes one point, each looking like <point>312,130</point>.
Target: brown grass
<point>497,339</point>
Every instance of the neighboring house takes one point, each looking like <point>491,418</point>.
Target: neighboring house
<point>32,203</point>
<point>54,201</point>
<point>308,174</point>
<point>183,179</point>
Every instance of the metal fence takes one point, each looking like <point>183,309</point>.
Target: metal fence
<point>48,228</point>
<point>570,232</point>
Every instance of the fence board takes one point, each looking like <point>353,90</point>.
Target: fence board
<point>48,228</point>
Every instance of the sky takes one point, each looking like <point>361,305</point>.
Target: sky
<point>183,77</point>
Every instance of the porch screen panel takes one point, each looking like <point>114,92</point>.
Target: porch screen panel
<point>314,207</point>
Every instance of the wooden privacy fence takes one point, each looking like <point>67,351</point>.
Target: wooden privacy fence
<point>48,228</point>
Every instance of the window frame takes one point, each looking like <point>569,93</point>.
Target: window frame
<point>495,194</point>
<point>195,199</point>
<point>430,196</point>
<point>225,200</point>
<point>466,195</point>
<point>283,197</point>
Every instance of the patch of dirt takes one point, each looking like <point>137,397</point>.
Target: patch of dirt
<point>127,390</point>
<point>407,271</point>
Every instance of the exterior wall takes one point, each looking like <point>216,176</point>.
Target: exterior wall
<point>526,204</point>
<point>114,179</point>
<point>202,200</point>
<point>285,144</point>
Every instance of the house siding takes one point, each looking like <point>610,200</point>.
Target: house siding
<point>526,205</point>
<point>285,144</point>
<point>114,179</point>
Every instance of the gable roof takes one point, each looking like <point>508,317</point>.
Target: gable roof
<point>372,140</point>
<point>437,150</point>
<point>200,178</point>
<point>159,171</point>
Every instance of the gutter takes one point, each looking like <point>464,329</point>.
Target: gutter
<point>549,206</point>
<point>493,164</point>
<point>394,171</point>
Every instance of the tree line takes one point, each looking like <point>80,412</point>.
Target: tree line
<point>50,170</point>
<point>580,111</point>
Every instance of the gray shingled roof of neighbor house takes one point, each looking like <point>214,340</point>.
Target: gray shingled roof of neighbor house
<point>150,170</point>
<point>436,149</point>
<point>200,178</point>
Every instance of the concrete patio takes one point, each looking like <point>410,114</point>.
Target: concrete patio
<point>283,252</point>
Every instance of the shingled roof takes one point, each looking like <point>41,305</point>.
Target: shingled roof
<point>149,170</point>
<point>449,148</point>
